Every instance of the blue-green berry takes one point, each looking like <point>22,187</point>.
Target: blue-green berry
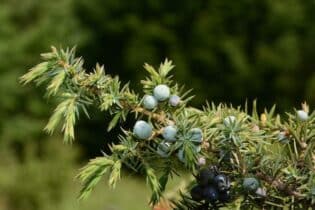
<point>149,102</point>
<point>163,149</point>
<point>181,156</point>
<point>250,184</point>
<point>302,115</point>
<point>161,92</point>
<point>142,130</point>
<point>195,135</point>
<point>229,120</point>
<point>174,100</point>
<point>169,133</point>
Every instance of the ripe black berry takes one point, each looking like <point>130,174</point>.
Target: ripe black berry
<point>224,196</point>
<point>205,177</point>
<point>222,182</point>
<point>197,193</point>
<point>211,194</point>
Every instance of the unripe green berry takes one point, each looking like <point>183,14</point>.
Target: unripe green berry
<point>250,184</point>
<point>142,130</point>
<point>149,102</point>
<point>302,115</point>
<point>195,135</point>
<point>163,149</point>
<point>169,133</point>
<point>161,92</point>
<point>174,100</point>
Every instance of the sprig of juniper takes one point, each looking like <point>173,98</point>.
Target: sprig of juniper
<point>276,152</point>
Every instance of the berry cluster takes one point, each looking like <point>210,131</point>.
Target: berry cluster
<point>212,186</point>
<point>160,94</point>
<point>248,149</point>
<point>144,130</point>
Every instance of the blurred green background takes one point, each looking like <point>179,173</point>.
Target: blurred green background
<point>229,51</point>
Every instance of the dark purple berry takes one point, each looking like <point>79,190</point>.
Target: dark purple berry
<point>224,196</point>
<point>222,182</point>
<point>197,193</point>
<point>211,194</point>
<point>205,177</point>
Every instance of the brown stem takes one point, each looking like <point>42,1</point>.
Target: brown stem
<point>160,117</point>
<point>156,133</point>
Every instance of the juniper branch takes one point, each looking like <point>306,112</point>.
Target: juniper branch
<point>252,144</point>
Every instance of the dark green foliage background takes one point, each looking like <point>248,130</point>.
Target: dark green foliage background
<point>225,50</point>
